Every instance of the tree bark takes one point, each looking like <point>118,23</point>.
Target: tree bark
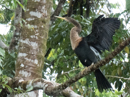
<point>32,47</point>
<point>46,86</point>
<point>32,43</point>
<point>15,39</point>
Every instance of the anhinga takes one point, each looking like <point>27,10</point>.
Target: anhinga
<point>87,48</point>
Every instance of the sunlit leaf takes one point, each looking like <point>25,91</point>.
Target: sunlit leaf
<point>9,88</point>
<point>29,88</point>
<point>128,5</point>
<point>1,16</point>
<point>126,49</point>
<point>0,90</point>
<point>12,18</point>
<point>21,5</point>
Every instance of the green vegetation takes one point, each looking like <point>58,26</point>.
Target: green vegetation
<point>61,60</point>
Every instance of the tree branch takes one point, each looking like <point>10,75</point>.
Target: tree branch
<point>56,13</point>
<point>58,10</point>
<point>48,52</point>
<point>71,71</point>
<point>93,67</point>
<point>118,77</point>
<point>43,84</point>
<point>70,10</point>
<point>52,88</point>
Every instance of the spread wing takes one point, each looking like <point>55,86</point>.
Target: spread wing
<point>102,31</point>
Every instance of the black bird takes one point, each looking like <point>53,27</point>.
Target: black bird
<point>89,48</point>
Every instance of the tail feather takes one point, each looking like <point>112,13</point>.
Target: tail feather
<point>102,82</point>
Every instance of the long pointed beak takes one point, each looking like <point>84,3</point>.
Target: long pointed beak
<point>61,17</point>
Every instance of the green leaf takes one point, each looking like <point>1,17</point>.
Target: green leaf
<point>29,88</point>
<point>126,49</point>
<point>118,92</point>
<point>9,88</point>
<point>2,52</point>
<point>1,16</point>
<point>3,85</point>
<point>21,5</point>
<point>128,5</point>
<point>0,90</point>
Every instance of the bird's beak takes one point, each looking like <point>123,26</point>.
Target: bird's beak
<point>61,17</point>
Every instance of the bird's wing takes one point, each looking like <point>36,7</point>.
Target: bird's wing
<point>102,31</point>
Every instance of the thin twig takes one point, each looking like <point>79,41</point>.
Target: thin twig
<point>72,71</point>
<point>117,77</point>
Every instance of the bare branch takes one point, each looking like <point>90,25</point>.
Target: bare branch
<point>70,10</point>
<point>58,10</point>
<point>117,77</point>
<point>91,68</point>
<point>72,71</point>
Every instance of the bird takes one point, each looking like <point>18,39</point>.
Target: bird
<point>89,48</point>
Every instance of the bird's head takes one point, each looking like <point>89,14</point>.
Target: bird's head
<point>73,21</point>
<point>64,18</point>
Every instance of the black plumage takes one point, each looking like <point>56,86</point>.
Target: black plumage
<point>102,31</point>
<point>87,48</point>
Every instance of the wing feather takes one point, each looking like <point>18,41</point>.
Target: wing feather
<point>103,30</point>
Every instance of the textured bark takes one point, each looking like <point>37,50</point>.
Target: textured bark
<point>32,43</point>
<point>31,51</point>
<point>46,86</point>
<point>15,39</point>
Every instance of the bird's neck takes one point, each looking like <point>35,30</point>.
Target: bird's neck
<point>74,37</point>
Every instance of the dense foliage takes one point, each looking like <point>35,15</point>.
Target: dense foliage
<point>60,61</point>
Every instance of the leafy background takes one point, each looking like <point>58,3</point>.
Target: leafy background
<point>60,61</point>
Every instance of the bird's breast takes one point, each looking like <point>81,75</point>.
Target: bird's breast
<point>85,54</point>
<point>75,42</point>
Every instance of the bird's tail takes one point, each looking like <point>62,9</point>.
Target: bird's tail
<point>102,82</point>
